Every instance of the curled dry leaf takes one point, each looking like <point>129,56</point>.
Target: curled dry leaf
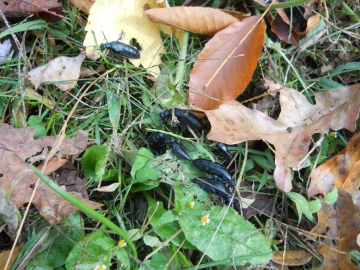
<point>290,134</point>
<point>291,257</point>
<point>200,20</point>
<point>340,224</point>
<point>343,170</point>
<point>16,9</point>
<point>18,150</point>
<point>63,71</point>
<point>226,64</point>
<point>283,31</point>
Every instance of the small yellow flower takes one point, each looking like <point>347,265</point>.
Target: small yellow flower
<point>205,219</point>
<point>122,243</point>
<point>100,267</point>
<point>191,204</point>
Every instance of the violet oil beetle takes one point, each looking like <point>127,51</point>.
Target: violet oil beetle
<point>120,48</point>
<point>179,150</point>
<point>214,187</point>
<point>184,117</point>
<point>218,171</point>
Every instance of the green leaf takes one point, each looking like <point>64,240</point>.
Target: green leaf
<point>123,257</point>
<point>235,238</point>
<point>113,102</point>
<point>263,180</point>
<point>332,196</point>
<point>262,161</point>
<point>93,162</point>
<point>146,173</point>
<point>143,157</point>
<point>98,248</point>
<point>315,205</point>
<point>56,248</point>
<point>152,241</point>
<point>165,230</point>
<point>40,131</point>
<point>302,205</point>
<point>249,165</point>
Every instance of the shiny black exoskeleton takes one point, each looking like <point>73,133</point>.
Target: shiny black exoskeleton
<point>120,48</point>
<point>218,171</point>
<point>214,187</point>
<point>157,141</point>
<point>224,151</point>
<point>178,150</point>
<point>184,117</point>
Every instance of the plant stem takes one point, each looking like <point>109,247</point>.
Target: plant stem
<point>350,12</point>
<point>181,66</point>
<point>290,4</point>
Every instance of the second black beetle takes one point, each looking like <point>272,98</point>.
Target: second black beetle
<point>120,48</point>
<point>184,117</point>
<point>216,170</point>
<point>214,187</point>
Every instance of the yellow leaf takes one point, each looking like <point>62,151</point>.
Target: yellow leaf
<point>114,17</point>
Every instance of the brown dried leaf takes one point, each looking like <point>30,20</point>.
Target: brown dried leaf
<point>83,5</point>
<point>341,170</point>
<point>18,150</point>
<point>4,256</point>
<point>282,30</point>
<point>340,223</point>
<point>200,20</point>
<point>61,69</point>
<point>226,64</point>
<point>290,134</point>
<point>17,9</point>
<point>292,257</point>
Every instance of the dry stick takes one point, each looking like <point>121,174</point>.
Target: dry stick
<point>56,145</point>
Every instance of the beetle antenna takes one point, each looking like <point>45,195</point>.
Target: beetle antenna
<point>105,37</point>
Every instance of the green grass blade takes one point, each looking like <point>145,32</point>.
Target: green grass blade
<point>85,208</point>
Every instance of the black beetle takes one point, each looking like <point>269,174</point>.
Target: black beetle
<point>216,170</point>
<point>224,150</point>
<point>120,48</point>
<point>184,117</point>
<point>214,187</point>
<point>178,150</point>
<point>157,141</point>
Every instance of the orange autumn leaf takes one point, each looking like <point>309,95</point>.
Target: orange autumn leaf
<point>226,64</point>
<point>340,224</point>
<point>291,257</point>
<point>338,171</point>
<point>200,20</point>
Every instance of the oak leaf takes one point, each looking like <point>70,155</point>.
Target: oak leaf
<point>340,224</point>
<point>18,151</point>
<point>290,134</point>
<point>341,170</point>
